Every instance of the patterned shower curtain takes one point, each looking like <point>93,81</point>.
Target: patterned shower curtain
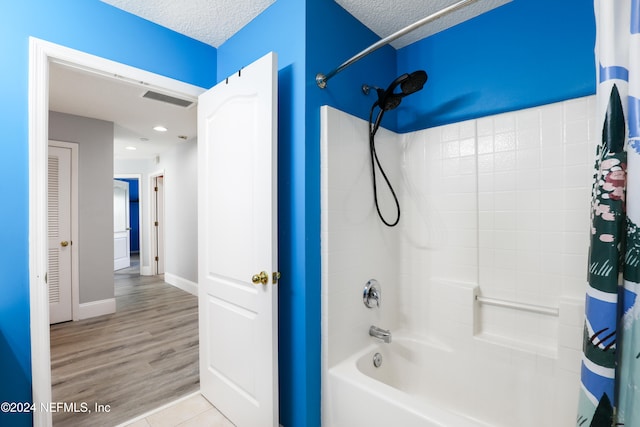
<point>611,359</point>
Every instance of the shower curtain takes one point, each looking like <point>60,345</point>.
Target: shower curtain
<point>611,358</point>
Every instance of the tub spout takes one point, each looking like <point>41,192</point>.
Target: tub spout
<point>383,334</point>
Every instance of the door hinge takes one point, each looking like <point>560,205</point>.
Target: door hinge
<point>155,188</point>
<point>156,223</point>
<point>157,258</point>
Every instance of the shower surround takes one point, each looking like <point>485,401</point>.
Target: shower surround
<point>496,207</point>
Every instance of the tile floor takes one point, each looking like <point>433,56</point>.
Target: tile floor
<point>190,411</point>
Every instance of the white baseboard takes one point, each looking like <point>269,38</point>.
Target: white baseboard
<point>146,271</point>
<point>181,283</point>
<point>96,308</point>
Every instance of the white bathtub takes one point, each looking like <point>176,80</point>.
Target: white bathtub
<point>409,389</point>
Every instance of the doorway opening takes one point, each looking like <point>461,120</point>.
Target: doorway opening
<point>134,213</point>
<point>42,54</point>
<point>134,205</point>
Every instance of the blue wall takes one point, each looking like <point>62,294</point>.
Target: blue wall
<point>89,26</point>
<point>281,29</point>
<point>523,54</point>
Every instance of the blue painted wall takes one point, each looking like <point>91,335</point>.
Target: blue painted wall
<point>89,26</point>
<point>281,29</point>
<point>523,54</point>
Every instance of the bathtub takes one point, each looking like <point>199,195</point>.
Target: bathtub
<point>409,389</point>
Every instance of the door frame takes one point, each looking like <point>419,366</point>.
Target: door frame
<point>154,240</point>
<point>41,54</point>
<point>117,262</point>
<point>141,205</point>
<point>75,266</point>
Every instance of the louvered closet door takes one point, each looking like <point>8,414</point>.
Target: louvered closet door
<point>59,215</point>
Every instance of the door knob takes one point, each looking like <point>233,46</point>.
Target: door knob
<point>64,243</point>
<point>263,278</point>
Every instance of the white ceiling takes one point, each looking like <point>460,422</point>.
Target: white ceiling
<point>213,22</point>
<point>78,92</point>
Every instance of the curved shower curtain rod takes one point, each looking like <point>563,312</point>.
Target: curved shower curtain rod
<point>321,79</point>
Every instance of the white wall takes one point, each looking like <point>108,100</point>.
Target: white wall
<point>356,246</point>
<point>497,207</point>
<point>181,211</point>
<point>179,167</point>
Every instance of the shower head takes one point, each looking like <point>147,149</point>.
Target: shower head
<point>388,100</point>
<point>414,82</point>
<point>409,83</point>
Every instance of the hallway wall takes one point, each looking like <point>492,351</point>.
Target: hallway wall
<point>181,212</point>
<point>95,200</point>
<point>179,166</point>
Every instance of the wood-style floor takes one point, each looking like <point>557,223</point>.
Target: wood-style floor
<point>143,356</point>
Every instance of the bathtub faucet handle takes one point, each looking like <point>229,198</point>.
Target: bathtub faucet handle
<point>372,294</point>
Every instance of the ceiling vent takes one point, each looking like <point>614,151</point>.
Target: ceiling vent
<point>168,99</point>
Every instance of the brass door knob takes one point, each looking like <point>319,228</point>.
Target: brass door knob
<point>64,243</point>
<point>262,278</point>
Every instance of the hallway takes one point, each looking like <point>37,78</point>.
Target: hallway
<point>143,356</point>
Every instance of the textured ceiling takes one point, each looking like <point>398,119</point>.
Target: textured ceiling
<point>210,21</point>
<point>385,17</point>
<point>215,21</point>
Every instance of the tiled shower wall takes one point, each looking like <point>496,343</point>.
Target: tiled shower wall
<point>496,207</point>
<point>356,246</point>
<point>502,202</point>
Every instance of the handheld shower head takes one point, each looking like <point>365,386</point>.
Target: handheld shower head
<point>414,82</point>
<point>388,100</point>
<point>409,83</point>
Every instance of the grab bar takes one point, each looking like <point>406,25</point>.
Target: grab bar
<point>540,309</point>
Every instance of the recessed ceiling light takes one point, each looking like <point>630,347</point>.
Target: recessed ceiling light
<point>160,129</point>
<point>130,148</point>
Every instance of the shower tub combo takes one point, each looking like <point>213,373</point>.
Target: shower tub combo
<point>452,359</point>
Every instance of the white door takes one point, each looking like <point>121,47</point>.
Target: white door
<point>121,229</point>
<point>59,229</point>
<point>237,170</point>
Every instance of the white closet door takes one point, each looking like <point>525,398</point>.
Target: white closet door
<point>59,230</point>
